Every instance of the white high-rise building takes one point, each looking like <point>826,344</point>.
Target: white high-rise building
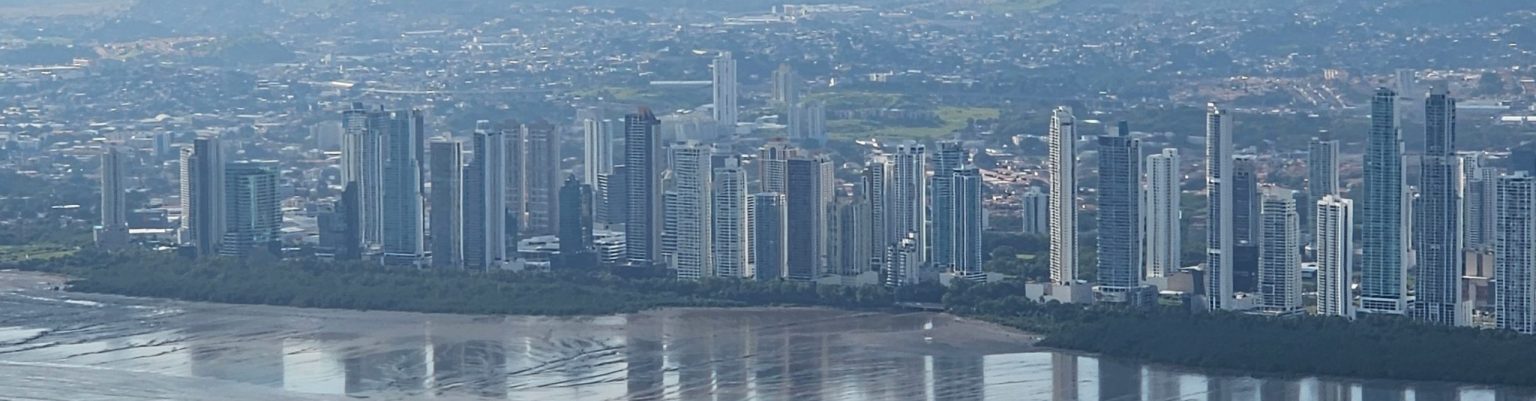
<point>1219,220</point>
<point>786,86</point>
<point>877,190</point>
<point>730,228</point>
<point>597,147</point>
<point>1279,252</point>
<point>1063,172</point>
<point>909,197</point>
<point>1514,257</point>
<point>725,90</point>
<point>1334,242</point>
<point>692,175</point>
<point>1163,227</point>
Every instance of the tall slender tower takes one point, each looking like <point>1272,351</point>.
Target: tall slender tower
<point>909,197</point>
<point>515,141</point>
<point>113,232</point>
<point>877,189</point>
<point>773,165</point>
<point>203,177</point>
<point>810,199</point>
<point>1335,224</point>
<point>1163,226</point>
<point>692,176</point>
<point>485,200</point>
<point>1322,169</point>
<point>362,162</point>
<point>950,156</point>
<point>1515,254</point>
<point>1063,171</point>
<point>1036,213</point>
<point>786,86</point>
<point>1437,223</point>
<point>730,228</point>
<point>404,234</point>
<point>597,149</point>
<point>543,172</point>
<point>447,211</point>
<point>642,228</point>
<point>1279,252</point>
<point>1119,244</point>
<point>1382,285</point>
<point>1243,183</point>
<point>725,89</point>
<point>968,186</point>
<point>1219,220</point>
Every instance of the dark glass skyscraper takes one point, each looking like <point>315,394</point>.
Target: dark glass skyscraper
<point>1119,243</point>
<point>642,228</point>
<point>1437,221</point>
<point>1382,285</point>
<point>576,225</point>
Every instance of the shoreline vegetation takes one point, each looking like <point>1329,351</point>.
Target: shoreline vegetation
<point>1370,348</point>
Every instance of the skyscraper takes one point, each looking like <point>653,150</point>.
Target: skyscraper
<point>113,232</point>
<point>1279,252</point>
<point>1437,221</point>
<point>692,178</point>
<point>813,120</point>
<point>642,228</point>
<point>1322,169</point>
<point>1036,211</point>
<point>850,236</point>
<point>876,191</point>
<point>253,218</point>
<point>597,149</point>
<point>1478,203</point>
<point>203,206</point>
<point>1219,220</point>
<point>362,161</point>
<point>543,172</point>
<point>1119,244</point>
<point>968,215</point>
<point>1335,226</point>
<point>485,201</point>
<point>1515,254</point>
<point>810,199</point>
<point>786,86</point>
<point>404,237</point>
<point>949,157</point>
<point>770,218</point>
<point>1246,202</point>
<point>447,211</point>
<point>725,90</point>
<point>730,229</point>
<point>1163,226</point>
<point>515,153</point>
<point>576,241</point>
<point>1063,171</point>
<point>1382,285</point>
<point>773,165</point>
<point>909,198</point>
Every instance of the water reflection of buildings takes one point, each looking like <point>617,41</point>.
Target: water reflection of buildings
<point>720,357</point>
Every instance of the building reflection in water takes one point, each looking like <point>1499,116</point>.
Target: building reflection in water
<point>725,357</point>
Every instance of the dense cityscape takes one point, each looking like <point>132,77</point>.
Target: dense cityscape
<point>1293,161</point>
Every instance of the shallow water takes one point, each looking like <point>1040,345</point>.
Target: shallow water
<point>63,346</point>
